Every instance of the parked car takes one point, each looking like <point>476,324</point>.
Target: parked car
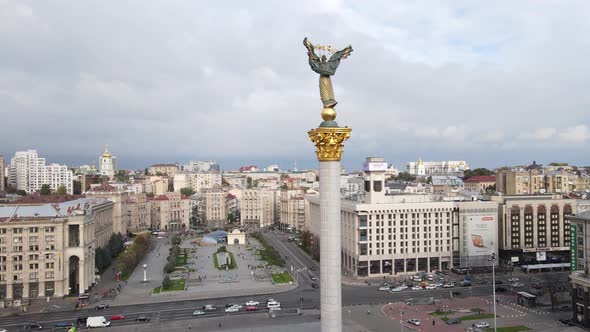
<point>315,285</point>
<point>199,313</point>
<point>101,306</point>
<point>33,326</point>
<point>453,321</point>
<point>210,307</point>
<point>567,322</point>
<point>142,319</point>
<point>482,325</point>
<point>252,303</point>
<point>414,321</point>
<point>117,317</point>
<point>417,288</point>
<point>500,289</point>
<point>430,277</point>
<point>384,288</point>
<point>252,308</point>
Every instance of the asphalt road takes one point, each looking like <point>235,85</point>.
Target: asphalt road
<point>304,296</point>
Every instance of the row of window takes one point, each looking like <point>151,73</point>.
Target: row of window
<point>19,230</point>
<point>32,276</point>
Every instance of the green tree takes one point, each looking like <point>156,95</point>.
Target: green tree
<point>45,190</point>
<point>171,186</point>
<point>187,191</point>
<point>166,282</point>
<point>121,176</point>
<point>168,268</point>
<point>558,164</point>
<point>405,176</point>
<point>21,192</point>
<point>249,182</point>
<point>61,190</point>
<point>476,172</point>
<point>77,187</point>
<point>116,244</point>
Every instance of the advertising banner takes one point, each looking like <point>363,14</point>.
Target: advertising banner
<point>541,256</point>
<point>375,166</point>
<point>574,247</point>
<point>480,234</point>
<point>514,259</point>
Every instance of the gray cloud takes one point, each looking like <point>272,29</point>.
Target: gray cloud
<point>191,79</point>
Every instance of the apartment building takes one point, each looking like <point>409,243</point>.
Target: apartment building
<point>580,277</point>
<point>480,183</point>
<point>197,180</point>
<point>257,207</point>
<point>28,172</point>
<point>48,250</point>
<point>534,229</point>
<point>169,211</point>
<point>163,169</point>
<point>425,168</point>
<point>292,209</point>
<point>215,207</point>
<point>2,185</point>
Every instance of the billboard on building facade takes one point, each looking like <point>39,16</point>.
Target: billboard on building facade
<point>374,166</point>
<point>574,247</point>
<point>541,256</point>
<point>480,234</point>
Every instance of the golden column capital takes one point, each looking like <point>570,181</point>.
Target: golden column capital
<point>329,142</point>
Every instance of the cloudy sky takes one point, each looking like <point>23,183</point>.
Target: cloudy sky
<point>493,83</point>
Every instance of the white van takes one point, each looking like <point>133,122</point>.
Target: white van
<point>274,305</point>
<point>97,321</point>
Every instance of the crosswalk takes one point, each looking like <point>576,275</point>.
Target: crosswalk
<point>520,311</point>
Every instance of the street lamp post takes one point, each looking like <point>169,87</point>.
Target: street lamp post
<point>493,260</point>
<point>144,272</point>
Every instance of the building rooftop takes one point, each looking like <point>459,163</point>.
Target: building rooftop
<point>62,209</point>
<point>481,178</point>
<point>36,198</point>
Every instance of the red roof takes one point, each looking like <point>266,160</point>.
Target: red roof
<point>36,198</point>
<point>105,187</point>
<point>248,168</point>
<point>160,198</point>
<point>481,178</point>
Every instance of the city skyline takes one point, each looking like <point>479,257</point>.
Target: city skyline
<point>493,84</point>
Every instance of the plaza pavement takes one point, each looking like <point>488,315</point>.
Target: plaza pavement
<point>213,282</point>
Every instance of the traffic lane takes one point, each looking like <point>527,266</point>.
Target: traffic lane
<point>298,265</point>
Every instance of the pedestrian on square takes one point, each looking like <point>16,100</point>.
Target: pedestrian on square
<point>433,322</point>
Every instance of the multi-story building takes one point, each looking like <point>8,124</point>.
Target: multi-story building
<point>137,217</point>
<point>2,173</point>
<point>28,172</point>
<point>474,233</point>
<point>480,183</point>
<point>197,180</point>
<point>580,264</point>
<point>48,250</point>
<point>215,207</point>
<point>534,229</point>
<point>446,184</point>
<point>121,224</point>
<point>257,207</point>
<point>107,163</point>
<point>157,185</point>
<point>203,166</point>
<point>426,168</point>
<point>292,209</point>
<point>163,169</point>
<point>169,211</point>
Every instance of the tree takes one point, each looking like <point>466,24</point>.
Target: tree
<point>61,190</point>
<point>10,189</point>
<point>166,282</point>
<point>168,268</point>
<point>121,176</point>
<point>476,172</point>
<point>170,186</point>
<point>249,182</point>
<point>45,190</point>
<point>406,177</point>
<point>558,164</point>
<point>187,191</point>
<point>21,192</point>
<point>77,187</point>
<point>116,244</point>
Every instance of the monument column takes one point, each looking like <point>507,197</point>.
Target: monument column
<point>328,139</point>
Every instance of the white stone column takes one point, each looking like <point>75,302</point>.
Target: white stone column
<point>330,247</point>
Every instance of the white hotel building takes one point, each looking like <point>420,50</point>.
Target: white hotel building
<point>384,235</point>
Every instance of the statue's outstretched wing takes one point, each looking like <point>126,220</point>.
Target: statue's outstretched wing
<point>342,54</point>
<point>310,52</point>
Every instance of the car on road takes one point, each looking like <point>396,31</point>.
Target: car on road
<point>101,306</point>
<point>430,277</point>
<point>232,309</point>
<point>33,326</point>
<point>142,319</point>
<point>453,321</point>
<point>287,258</point>
<point>517,285</point>
<point>315,285</point>
<point>417,288</point>
<point>273,305</point>
<point>63,325</point>
<point>431,287</point>
<point>513,279</point>
<point>438,284</point>
<point>448,285</point>
<point>414,321</point>
<point>3,330</point>
<point>117,317</point>
<point>396,289</point>
<point>252,303</point>
<point>482,325</point>
<point>384,288</point>
<point>312,268</point>
<point>567,322</point>
<point>199,313</point>
<point>252,308</point>
<point>312,277</point>
<point>229,305</point>
<point>500,289</point>
<point>209,307</point>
